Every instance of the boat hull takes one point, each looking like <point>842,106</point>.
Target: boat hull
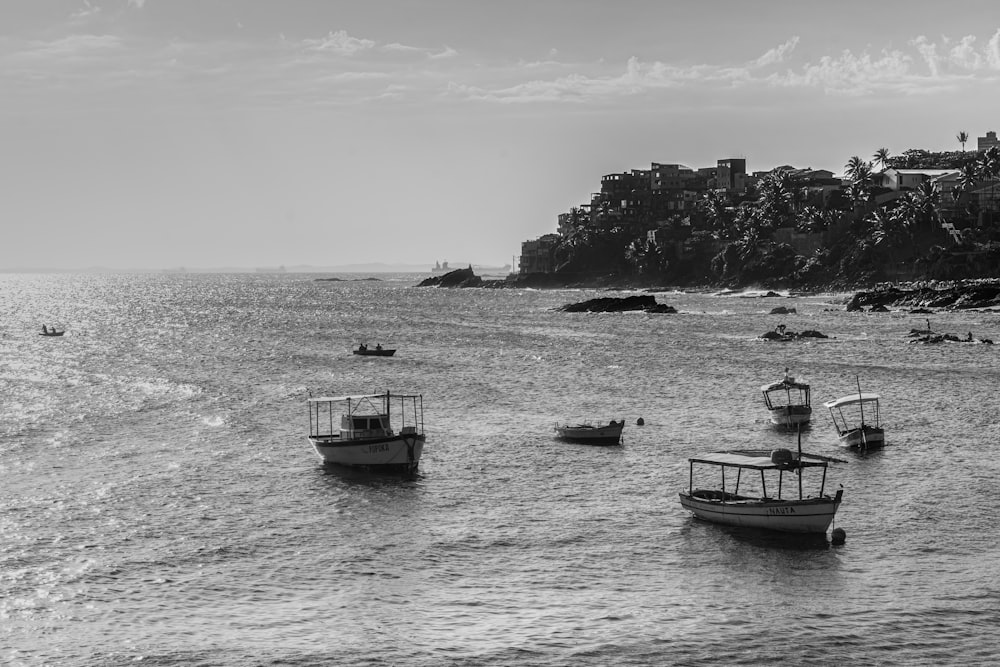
<point>375,353</point>
<point>812,515</point>
<point>791,415</point>
<point>870,437</point>
<point>393,452</point>
<point>604,435</point>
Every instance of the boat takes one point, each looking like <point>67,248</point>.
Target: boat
<point>374,430</point>
<point>51,331</point>
<point>788,401</point>
<point>440,268</point>
<point>377,351</point>
<point>767,503</point>
<point>858,420</point>
<point>588,434</point>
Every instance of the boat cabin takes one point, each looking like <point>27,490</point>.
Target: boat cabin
<point>365,416</point>
<point>740,474</point>
<point>786,393</point>
<point>855,412</point>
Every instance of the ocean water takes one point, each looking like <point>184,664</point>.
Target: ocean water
<point>160,504</point>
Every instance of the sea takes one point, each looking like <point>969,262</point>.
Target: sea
<point>160,503</point>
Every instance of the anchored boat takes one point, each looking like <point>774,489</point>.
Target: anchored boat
<point>788,401</point>
<point>588,434</point>
<point>369,430</point>
<point>858,421</point>
<point>741,499</point>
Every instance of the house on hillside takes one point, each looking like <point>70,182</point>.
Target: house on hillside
<point>910,179</point>
<point>537,256</point>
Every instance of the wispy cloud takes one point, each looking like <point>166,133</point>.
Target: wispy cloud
<point>338,42</point>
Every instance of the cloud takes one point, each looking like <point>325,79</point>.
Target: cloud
<point>339,42</point>
<point>88,10</point>
<point>777,54</point>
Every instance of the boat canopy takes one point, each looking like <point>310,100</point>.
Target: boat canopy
<point>851,400</point>
<point>356,397</point>
<point>759,459</point>
<point>784,384</point>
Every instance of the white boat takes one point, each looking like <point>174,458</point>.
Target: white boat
<point>588,434</point>
<point>788,401</point>
<point>765,503</point>
<point>857,420</point>
<point>364,435</point>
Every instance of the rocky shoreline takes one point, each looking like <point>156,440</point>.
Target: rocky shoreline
<point>920,297</point>
<point>914,297</point>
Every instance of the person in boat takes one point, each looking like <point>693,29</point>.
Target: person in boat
<point>45,329</point>
<point>969,339</point>
<point>362,347</point>
<point>378,346</point>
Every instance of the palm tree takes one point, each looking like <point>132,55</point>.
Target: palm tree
<point>853,167</point>
<point>962,137</point>
<point>881,158</point>
<point>927,200</point>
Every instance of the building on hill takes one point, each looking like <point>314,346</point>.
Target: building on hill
<point>731,175</point>
<point>910,179</point>
<point>537,255</point>
<point>989,141</point>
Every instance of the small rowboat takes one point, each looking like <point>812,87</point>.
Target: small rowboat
<point>588,434</point>
<point>377,351</point>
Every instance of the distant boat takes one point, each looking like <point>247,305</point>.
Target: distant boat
<point>366,433</point>
<point>51,331</point>
<point>440,267</point>
<point>771,505</point>
<point>787,401</point>
<point>377,351</point>
<point>588,434</point>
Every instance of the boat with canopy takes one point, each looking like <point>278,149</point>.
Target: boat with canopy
<point>751,489</point>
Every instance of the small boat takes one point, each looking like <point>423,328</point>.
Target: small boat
<point>51,331</point>
<point>857,420</point>
<point>588,434</point>
<point>788,401</point>
<point>377,351</point>
<point>366,436</point>
<point>767,504</point>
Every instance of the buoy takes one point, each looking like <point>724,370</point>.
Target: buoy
<point>640,421</point>
<point>839,536</point>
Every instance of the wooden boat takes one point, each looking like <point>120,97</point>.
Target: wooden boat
<point>763,503</point>
<point>858,421</point>
<point>588,434</point>
<point>377,351</point>
<point>51,331</point>
<point>366,435</point>
<point>788,401</point>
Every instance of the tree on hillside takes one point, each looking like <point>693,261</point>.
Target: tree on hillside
<point>856,168</point>
<point>962,137</point>
<point>881,158</point>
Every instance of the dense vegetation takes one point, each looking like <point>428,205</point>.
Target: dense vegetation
<point>785,232</point>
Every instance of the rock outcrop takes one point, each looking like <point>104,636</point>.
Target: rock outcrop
<point>951,296</point>
<point>619,305</point>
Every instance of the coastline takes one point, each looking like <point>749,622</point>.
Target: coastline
<point>969,293</point>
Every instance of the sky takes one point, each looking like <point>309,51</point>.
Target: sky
<point>156,134</point>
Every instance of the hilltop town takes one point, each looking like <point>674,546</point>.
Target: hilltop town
<point>918,215</point>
